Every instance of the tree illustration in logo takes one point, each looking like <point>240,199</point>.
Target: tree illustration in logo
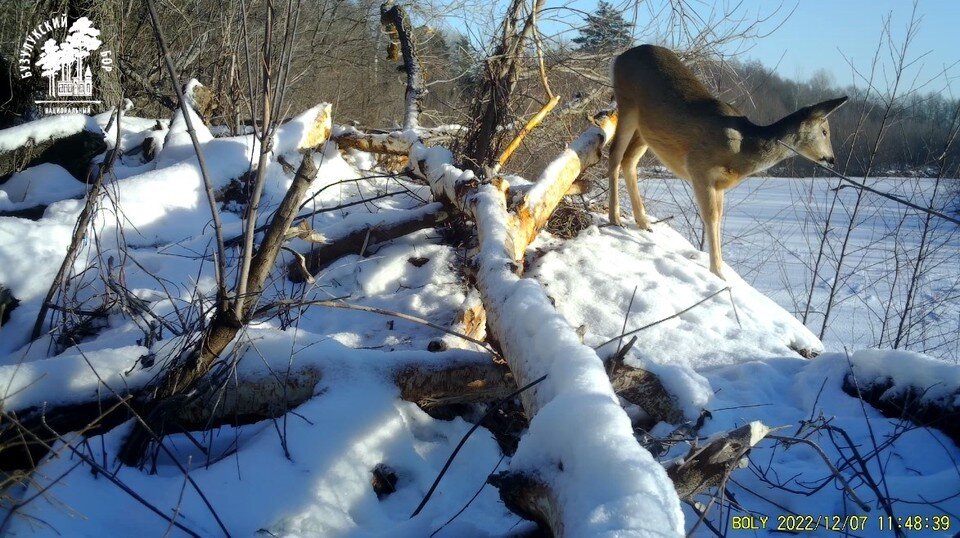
<point>49,63</point>
<point>68,58</point>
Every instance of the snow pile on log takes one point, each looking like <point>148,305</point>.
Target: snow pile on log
<point>45,129</point>
<point>39,185</point>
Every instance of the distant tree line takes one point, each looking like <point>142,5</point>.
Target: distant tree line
<point>340,57</point>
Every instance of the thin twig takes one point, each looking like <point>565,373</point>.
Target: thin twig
<point>846,485</point>
<point>668,318</point>
<point>475,495</point>
<point>407,317</point>
<point>861,186</point>
<point>207,183</point>
<point>103,472</point>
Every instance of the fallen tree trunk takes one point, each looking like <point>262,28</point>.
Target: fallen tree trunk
<point>353,237</point>
<point>454,377</point>
<point>393,143</point>
<point>427,379</point>
<point>30,213</point>
<point>536,341</point>
<point>70,141</point>
<point>246,401</point>
<point>914,403</point>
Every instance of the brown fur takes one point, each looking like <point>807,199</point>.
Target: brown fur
<point>663,107</point>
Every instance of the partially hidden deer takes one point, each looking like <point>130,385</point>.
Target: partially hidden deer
<point>662,106</point>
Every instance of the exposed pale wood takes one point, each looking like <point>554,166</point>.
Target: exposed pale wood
<point>471,319</point>
<point>320,130</point>
<point>559,176</point>
<point>531,124</point>
<point>707,466</point>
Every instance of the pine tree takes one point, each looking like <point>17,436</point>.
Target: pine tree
<point>605,31</point>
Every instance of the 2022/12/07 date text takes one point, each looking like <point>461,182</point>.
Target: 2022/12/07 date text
<point>796,523</point>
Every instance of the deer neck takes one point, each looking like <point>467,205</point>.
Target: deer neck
<point>761,147</point>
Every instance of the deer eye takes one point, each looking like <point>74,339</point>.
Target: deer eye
<point>824,132</point>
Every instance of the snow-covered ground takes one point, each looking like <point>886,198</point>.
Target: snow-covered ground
<point>308,474</point>
<point>772,232</point>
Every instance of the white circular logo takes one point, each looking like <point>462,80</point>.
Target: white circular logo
<point>66,64</point>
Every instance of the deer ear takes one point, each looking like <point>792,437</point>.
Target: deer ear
<point>822,110</point>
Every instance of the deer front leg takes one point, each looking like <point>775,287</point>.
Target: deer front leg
<point>710,200</point>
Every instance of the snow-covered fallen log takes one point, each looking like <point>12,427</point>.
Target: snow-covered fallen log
<point>903,384</point>
<point>31,190</point>
<point>76,392</point>
<point>579,435</point>
<point>393,142</point>
<point>68,140</point>
<point>558,178</point>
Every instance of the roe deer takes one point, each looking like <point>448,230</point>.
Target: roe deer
<point>662,106</point>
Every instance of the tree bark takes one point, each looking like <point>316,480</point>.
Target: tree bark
<point>395,21</point>
<point>559,177</point>
<point>72,151</point>
<point>490,109</point>
<point>462,377</point>
<point>349,239</point>
<point>707,466</point>
<point>909,402</point>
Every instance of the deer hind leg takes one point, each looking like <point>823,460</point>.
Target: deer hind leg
<point>631,159</point>
<point>710,200</point>
<point>626,128</point>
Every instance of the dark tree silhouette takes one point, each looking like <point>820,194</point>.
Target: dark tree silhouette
<point>604,31</point>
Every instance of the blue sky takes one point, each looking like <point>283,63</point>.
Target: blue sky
<point>818,35</point>
<point>821,32</point>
